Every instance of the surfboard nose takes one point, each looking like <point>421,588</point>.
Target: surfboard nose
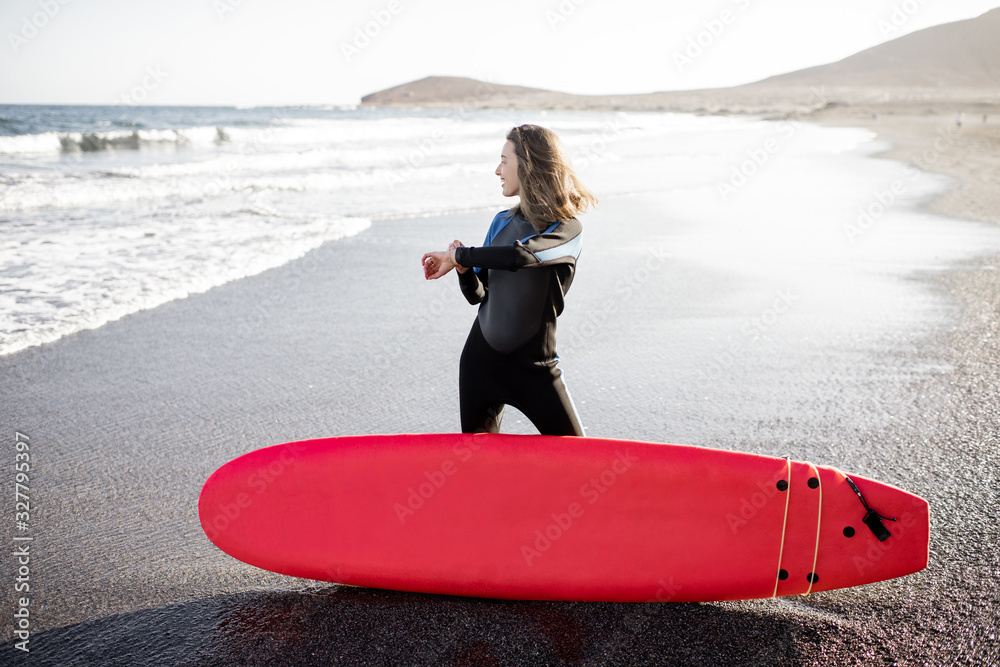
<point>868,531</point>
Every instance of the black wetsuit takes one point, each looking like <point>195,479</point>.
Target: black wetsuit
<point>520,277</point>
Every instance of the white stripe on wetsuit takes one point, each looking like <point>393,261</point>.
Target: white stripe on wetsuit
<point>569,249</point>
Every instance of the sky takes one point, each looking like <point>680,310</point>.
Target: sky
<point>264,52</point>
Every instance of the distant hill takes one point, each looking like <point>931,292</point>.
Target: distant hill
<point>459,91</point>
<point>454,88</point>
<point>963,54</point>
<point>949,61</point>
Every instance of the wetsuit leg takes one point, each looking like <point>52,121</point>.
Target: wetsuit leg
<point>543,398</point>
<point>527,379</point>
<point>480,401</point>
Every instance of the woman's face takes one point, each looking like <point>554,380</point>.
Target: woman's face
<point>507,171</point>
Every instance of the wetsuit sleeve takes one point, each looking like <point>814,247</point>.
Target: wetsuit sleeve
<point>474,286</point>
<point>560,245</point>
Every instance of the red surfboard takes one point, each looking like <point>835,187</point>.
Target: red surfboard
<point>559,518</point>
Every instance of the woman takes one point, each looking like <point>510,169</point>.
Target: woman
<point>520,277</point>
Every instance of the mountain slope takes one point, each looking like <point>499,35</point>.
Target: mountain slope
<point>963,54</point>
<point>953,60</point>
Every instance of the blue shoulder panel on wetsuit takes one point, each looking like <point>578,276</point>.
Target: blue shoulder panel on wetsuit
<point>500,221</point>
<point>547,231</point>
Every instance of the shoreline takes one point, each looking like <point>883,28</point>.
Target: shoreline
<point>931,140</point>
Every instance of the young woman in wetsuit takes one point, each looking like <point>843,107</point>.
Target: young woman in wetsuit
<point>519,277</point>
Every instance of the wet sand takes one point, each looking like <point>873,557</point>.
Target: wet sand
<point>127,421</point>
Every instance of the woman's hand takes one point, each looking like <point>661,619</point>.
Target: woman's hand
<point>437,264</point>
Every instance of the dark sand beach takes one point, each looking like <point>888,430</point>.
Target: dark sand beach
<point>127,421</point>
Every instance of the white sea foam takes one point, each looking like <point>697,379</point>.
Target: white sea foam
<point>92,274</point>
<point>55,142</point>
<point>45,142</point>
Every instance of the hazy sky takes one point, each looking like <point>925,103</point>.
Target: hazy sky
<point>248,52</point>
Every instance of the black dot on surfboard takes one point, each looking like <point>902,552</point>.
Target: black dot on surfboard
<point>812,577</point>
<point>782,574</point>
<point>782,485</point>
<point>848,532</point>
<point>813,482</point>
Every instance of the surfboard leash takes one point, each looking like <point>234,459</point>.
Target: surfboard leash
<point>872,518</point>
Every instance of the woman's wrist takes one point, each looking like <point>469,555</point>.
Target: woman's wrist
<point>453,258</point>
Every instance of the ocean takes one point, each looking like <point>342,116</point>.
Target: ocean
<point>108,210</point>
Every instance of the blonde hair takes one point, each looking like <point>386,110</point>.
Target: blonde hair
<point>549,188</point>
